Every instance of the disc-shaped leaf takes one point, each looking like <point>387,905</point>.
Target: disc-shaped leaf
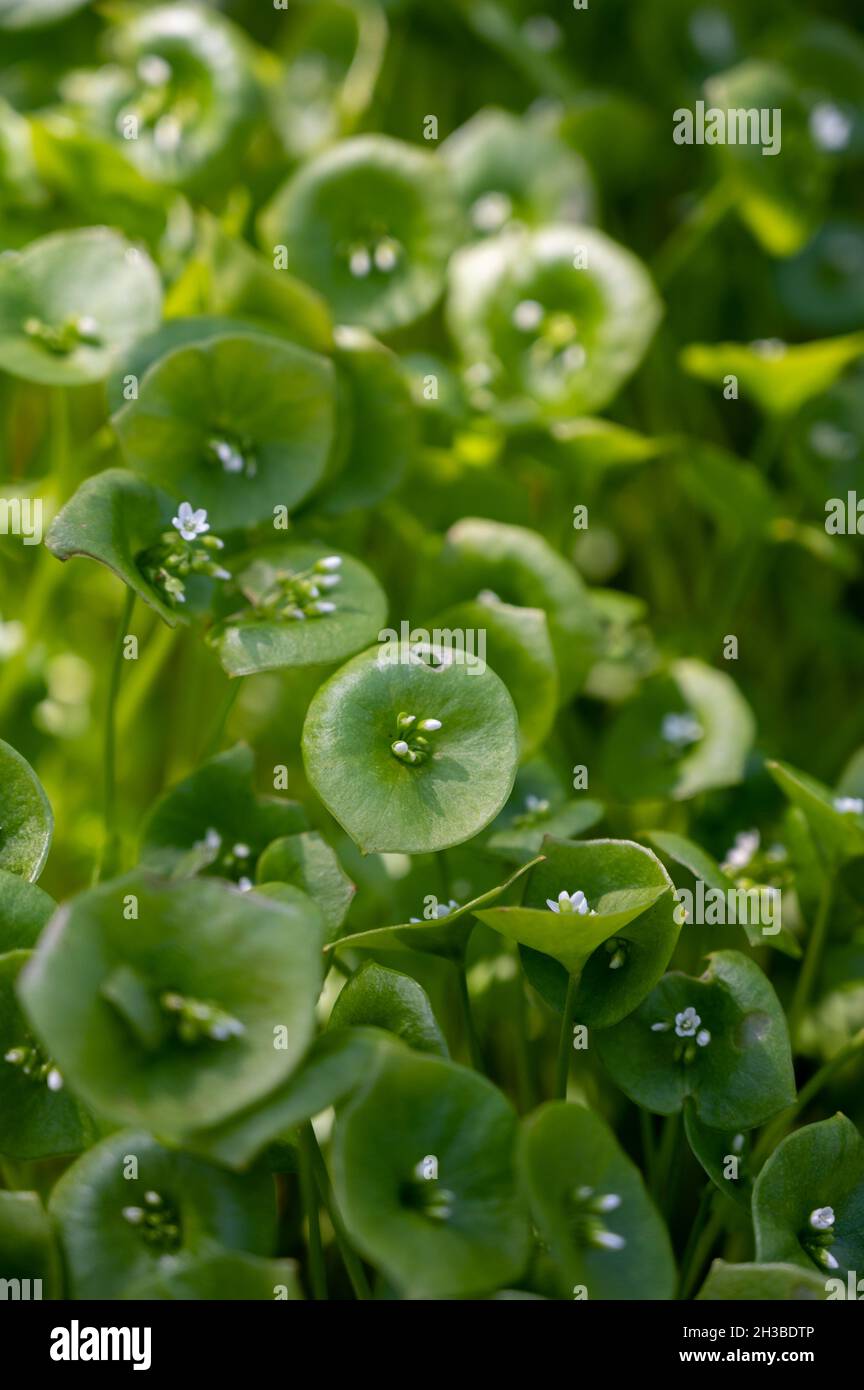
<point>183,1014</point>
<point>24,911</point>
<point>756,1282</point>
<point>71,303</point>
<point>115,1235</point>
<point>263,625</point>
<point>520,836</point>
<point>591,1208</point>
<point>27,1245</point>
<point>377,997</point>
<point>837,827</point>
<point>720,1038</point>
<point>461,777</point>
<point>423,1171</point>
<point>549,324</point>
<point>238,425</point>
<point>684,732</point>
<point>617,949</point>
<point>214,822</point>
<point>40,1117</point>
<point>370,223</point>
<point>520,568</point>
<point>26,822</point>
<point>819,1168</point>
<point>116,518</point>
<point>308,862</point>
<point>227,1276</point>
<point>723,1155</point>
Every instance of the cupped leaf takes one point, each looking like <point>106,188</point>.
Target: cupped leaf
<point>724,1155</point>
<point>836,823</point>
<point>221,1277</point>
<point>780,378</point>
<point>118,519</point>
<point>214,822</point>
<point>720,1038</point>
<point>370,224</point>
<point>393,793</point>
<point>519,567</point>
<point>131,1210</point>
<point>308,862</point>
<point>338,1063</point>
<point>549,324</point>
<point>617,948</point>
<point>24,911</point>
<point>27,1244</point>
<point>423,1171</point>
<point>808,1201</point>
<point>72,302</point>
<point>505,169</point>
<point>271,616</point>
<point>240,425</point>
<point>26,821</point>
<point>757,1282</point>
<point>684,732</point>
<point>40,1117</point>
<point>591,1207</point>
<point>190,999</point>
<point>377,997</point>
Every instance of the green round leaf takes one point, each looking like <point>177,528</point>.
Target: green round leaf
<point>308,862</point>
<point>223,1277</point>
<point>819,1166</point>
<point>249,965</point>
<point>716,1149</point>
<point>71,303</point>
<point>238,425</point>
<point>257,627</point>
<point>461,1230</point>
<point>27,1246</point>
<point>551,323</point>
<point>26,822</point>
<point>738,1076</point>
<point>217,802</point>
<point>839,833</point>
<point>750,1283</point>
<point>460,781</point>
<point>200,1209</point>
<point>40,1117</point>
<point>377,997</point>
<point>370,223</point>
<point>591,1207</point>
<point>24,911</point>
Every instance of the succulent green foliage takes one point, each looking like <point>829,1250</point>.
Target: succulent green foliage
<point>26,821</point>
<point>835,822</point>
<point>227,1275</point>
<point>307,861</point>
<point>198,1008</point>
<point>423,1167</point>
<point>591,1207</point>
<point>780,378</point>
<point>720,1039</point>
<point>24,911</point>
<point>724,1156</point>
<point>377,997</point>
<point>27,1244</point>
<point>752,1282</point>
<point>131,1211</point>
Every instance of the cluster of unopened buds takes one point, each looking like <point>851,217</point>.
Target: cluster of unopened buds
<point>411,744</point>
<point>556,335</point>
<point>235,863</point>
<point>678,731</point>
<point>233,455</point>
<point>185,550</point>
<point>198,1020</point>
<point>381,253</point>
<point>76,331</point>
<point>296,596</point>
<point>571,902</point>
<point>536,809</point>
<point>849,805</point>
<point>819,1235</point>
<point>156,1222</point>
<point>428,1196</point>
<point>441,910</point>
<point>688,1027</point>
<point>32,1063</point>
<point>587,1211</point>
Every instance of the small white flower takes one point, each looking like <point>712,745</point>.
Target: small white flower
<point>328,563</point>
<point>386,255</point>
<point>830,127</point>
<point>828,1260</point>
<point>687,1023</point>
<point>491,211</point>
<point>400,747</point>
<point>849,805</point>
<point>241,851</point>
<point>360,262</point>
<point>54,1081</point>
<point>681,728</point>
<point>607,1240</point>
<point>329,581</point>
<point>528,315</point>
<point>703,1037</point>
<point>822,1219</point>
<point>610,1201</point>
<point>87,326</point>
<point>134,1215</point>
<point>738,1143</point>
<point>152,1199</point>
<point>745,846</point>
<point>661,1027</point>
<point>190,523</point>
<point>321,606</point>
<point>536,804</point>
<point>569,902</point>
<point>153,70</point>
<point>429,726</point>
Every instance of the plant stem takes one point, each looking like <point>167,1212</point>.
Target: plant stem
<point>774,1132</point>
<point>468,1018</point>
<point>61,451</point>
<point>228,703</point>
<point>309,1190</point>
<point>665,1169</point>
<point>696,1262</point>
<point>699,1220</point>
<point>812,958</point>
<point>649,1148</point>
<point>689,235</point>
<point>565,1040</point>
<point>351,1260</point>
<point>109,853</point>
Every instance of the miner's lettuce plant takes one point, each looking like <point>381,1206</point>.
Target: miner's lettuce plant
<point>454,749</point>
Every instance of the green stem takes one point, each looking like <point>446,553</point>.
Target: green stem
<point>690,234</point>
<point>699,1221</point>
<point>351,1260</point>
<point>774,1132</point>
<point>309,1190</point>
<point>228,703</point>
<point>665,1169</point>
<point>700,1254</point>
<point>812,958</point>
<point>468,1018</point>
<point>111,840</point>
<point>61,448</point>
<point>649,1148</point>
<point>565,1040</point>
